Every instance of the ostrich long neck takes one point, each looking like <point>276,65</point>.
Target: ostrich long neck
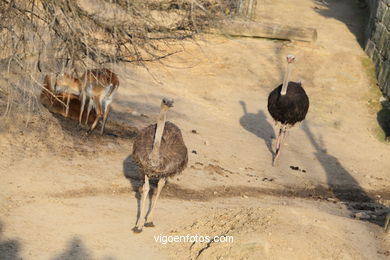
<point>285,80</point>
<point>155,154</point>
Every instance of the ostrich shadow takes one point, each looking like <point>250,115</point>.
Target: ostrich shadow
<point>343,185</point>
<point>131,172</point>
<point>258,125</point>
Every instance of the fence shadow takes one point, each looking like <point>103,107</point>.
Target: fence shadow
<point>383,117</point>
<point>353,13</point>
<point>344,186</point>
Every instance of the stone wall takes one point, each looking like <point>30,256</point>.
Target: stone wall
<point>378,43</point>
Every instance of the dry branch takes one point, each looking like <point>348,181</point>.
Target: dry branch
<point>40,37</point>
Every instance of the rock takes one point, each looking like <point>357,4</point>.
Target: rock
<point>362,215</point>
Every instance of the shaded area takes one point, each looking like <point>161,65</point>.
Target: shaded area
<point>353,13</point>
<point>258,125</point>
<point>75,250</point>
<point>175,191</point>
<point>70,124</point>
<point>9,249</point>
<point>343,185</point>
<point>383,117</point>
<point>131,172</point>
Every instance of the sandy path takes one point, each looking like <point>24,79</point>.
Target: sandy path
<point>73,198</point>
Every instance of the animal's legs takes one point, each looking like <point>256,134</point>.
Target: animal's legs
<point>83,97</point>
<point>90,105</point>
<point>160,185</point>
<point>106,111</point>
<point>98,107</point>
<point>279,141</point>
<point>67,105</point>
<point>144,195</point>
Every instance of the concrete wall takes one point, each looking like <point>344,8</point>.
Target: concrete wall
<point>378,43</point>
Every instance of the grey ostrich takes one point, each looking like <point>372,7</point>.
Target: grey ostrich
<point>160,152</point>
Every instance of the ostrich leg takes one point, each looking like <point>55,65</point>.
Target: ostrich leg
<point>144,195</point>
<point>387,223</point>
<point>160,185</point>
<point>279,141</point>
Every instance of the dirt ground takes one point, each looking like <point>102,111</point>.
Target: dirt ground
<point>67,196</point>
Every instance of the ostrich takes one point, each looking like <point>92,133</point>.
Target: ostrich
<point>159,151</point>
<point>288,104</point>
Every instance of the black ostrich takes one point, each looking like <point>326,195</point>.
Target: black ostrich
<point>160,152</point>
<point>288,104</point>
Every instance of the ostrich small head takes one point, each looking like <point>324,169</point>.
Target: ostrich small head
<point>167,103</point>
<point>290,58</point>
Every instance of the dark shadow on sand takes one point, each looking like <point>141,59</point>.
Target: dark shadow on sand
<point>258,125</point>
<point>344,186</point>
<point>353,13</point>
<point>10,248</point>
<point>131,172</point>
<point>75,250</point>
<point>383,117</point>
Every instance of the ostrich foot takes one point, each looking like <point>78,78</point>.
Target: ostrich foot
<point>137,230</point>
<point>149,224</point>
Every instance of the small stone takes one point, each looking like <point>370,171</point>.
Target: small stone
<point>215,192</point>
<point>206,142</point>
<point>245,197</point>
<point>194,131</point>
<point>362,215</point>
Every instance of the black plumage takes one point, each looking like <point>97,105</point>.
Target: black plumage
<point>291,108</point>
<point>173,152</point>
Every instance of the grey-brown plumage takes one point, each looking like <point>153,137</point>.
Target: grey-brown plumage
<point>173,152</point>
<point>159,151</point>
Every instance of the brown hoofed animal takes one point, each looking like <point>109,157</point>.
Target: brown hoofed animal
<point>67,86</point>
<point>159,151</point>
<point>53,103</point>
<point>99,85</point>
